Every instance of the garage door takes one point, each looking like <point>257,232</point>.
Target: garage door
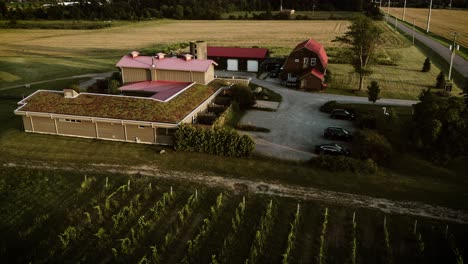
<point>232,65</point>
<point>252,66</point>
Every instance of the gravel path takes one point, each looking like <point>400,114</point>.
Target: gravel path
<point>416,209</point>
<point>459,63</point>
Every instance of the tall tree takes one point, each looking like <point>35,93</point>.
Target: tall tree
<point>363,36</point>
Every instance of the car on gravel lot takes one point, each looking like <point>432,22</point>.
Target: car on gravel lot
<point>332,149</point>
<point>341,114</point>
<point>337,133</point>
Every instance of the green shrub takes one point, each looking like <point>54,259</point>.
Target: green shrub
<point>216,141</point>
<point>246,127</point>
<point>243,95</point>
<point>367,120</point>
<point>329,106</point>
<point>369,144</point>
<point>342,163</point>
<point>440,80</point>
<point>426,66</point>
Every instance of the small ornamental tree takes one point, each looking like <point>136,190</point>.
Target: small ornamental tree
<point>440,80</point>
<point>426,66</point>
<point>373,92</point>
<point>243,96</point>
<point>114,87</point>
<point>75,88</point>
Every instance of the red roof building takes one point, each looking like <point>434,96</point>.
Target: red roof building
<point>237,59</point>
<point>307,64</point>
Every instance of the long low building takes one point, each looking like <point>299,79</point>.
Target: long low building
<point>115,117</point>
<point>237,59</point>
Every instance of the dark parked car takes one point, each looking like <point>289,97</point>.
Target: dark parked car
<point>275,73</point>
<point>337,133</point>
<point>342,114</point>
<point>332,149</point>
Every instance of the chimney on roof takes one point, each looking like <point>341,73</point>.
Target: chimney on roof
<point>160,56</point>
<point>134,54</point>
<point>188,57</point>
<point>69,93</point>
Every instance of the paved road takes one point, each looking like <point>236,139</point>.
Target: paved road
<point>459,63</point>
<point>298,124</point>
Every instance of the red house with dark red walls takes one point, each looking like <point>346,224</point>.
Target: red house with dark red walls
<point>306,66</point>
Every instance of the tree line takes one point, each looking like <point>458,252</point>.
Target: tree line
<point>175,9</point>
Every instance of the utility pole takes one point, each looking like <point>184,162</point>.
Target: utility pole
<point>388,8</point>
<point>454,49</point>
<point>281,6</point>
<point>429,17</point>
<point>404,11</point>
<point>450,4</point>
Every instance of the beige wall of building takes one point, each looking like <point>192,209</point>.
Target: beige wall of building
<point>140,133</point>
<point>74,127</point>
<point>135,75</point>
<point>114,131</point>
<point>27,123</point>
<point>43,124</point>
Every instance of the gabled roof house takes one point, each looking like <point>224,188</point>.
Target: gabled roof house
<point>307,64</point>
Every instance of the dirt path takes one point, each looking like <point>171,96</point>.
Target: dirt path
<point>417,209</point>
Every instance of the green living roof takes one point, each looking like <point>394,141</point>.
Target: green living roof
<point>120,107</point>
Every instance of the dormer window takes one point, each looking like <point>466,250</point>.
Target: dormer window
<point>313,61</point>
<point>306,63</point>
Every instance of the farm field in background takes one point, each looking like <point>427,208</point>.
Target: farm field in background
<point>56,216</point>
<point>443,21</point>
<point>32,55</point>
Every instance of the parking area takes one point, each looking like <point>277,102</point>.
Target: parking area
<point>298,124</point>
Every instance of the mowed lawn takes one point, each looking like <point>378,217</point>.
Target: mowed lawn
<point>443,21</point>
<point>404,81</point>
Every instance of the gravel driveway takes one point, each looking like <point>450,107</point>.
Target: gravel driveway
<point>298,124</point>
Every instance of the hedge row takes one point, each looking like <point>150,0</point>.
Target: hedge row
<point>216,141</point>
<point>341,163</point>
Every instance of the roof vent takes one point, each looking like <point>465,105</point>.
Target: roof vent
<point>160,56</point>
<point>134,54</point>
<point>69,93</point>
<point>152,62</point>
<point>187,57</point>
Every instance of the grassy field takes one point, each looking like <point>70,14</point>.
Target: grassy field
<point>57,216</point>
<point>404,81</point>
<point>45,54</point>
<point>443,21</point>
<point>32,55</point>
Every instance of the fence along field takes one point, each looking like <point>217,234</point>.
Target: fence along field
<point>444,22</point>
<point>53,216</point>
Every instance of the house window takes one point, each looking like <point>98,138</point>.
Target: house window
<point>296,60</point>
<point>306,63</point>
<point>69,120</point>
<point>313,61</point>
